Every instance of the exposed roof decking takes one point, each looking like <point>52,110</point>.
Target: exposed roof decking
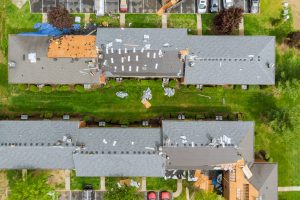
<point>45,70</point>
<point>73,46</point>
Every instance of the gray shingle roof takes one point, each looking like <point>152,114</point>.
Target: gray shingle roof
<point>119,165</point>
<point>198,135</point>
<point>46,70</point>
<point>265,179</point>
<point>220,60</point>
<point>30,141</point>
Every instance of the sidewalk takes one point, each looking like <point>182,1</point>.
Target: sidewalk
<point>289,189</point>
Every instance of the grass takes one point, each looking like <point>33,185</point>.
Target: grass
<point>188,21</point>
<point>269,21</point>
<point>161,184</point>
<point>207,22</point>
<point>143,21</point>
<point>78,183</point>
<point>113,21</point>
<point>289,195</point>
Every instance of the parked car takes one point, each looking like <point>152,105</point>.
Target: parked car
<point>214,6</point>
<point>123,6</point>
<point>165,195</point>
<point>202,6</point>
<point>254,6</point>
<point>88,193</point>
<point>151,195</point>
<point>227,3</point>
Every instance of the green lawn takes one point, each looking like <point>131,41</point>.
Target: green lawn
<point>289,195</point>
<point>143,21</point>
<point>113,21</point>
<point>161,184</point>
<point>188,21</point>
<point>269,21</point>
<point>207,22</point>
<point>78,183</point>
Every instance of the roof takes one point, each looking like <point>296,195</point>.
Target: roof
<point>141,52</point>
<point>45,70</point>
<point>187,140</point>
<point>265,179</point>
<point>221,60</point>
<point>73,46</point>
<point>119,165</point>
<point>92,151</point>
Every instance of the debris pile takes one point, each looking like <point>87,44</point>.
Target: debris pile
<point>221,141</point>
<point>169,92</point>
<point>147,94</point>
<point>121,94</point>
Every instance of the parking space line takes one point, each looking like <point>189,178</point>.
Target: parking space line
<point>143,6</point>
<point>80,7</point>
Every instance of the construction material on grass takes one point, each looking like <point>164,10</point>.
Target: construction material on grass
<point>122,95</point>
<point>146,103</point>
<point>169,92</point>
<point>147,94</point>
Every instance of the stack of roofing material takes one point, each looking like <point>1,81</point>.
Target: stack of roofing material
<point>147,94</point>
<point>169,92</point>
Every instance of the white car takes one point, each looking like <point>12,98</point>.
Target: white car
<point>228,3</point>
<point>202,6</point>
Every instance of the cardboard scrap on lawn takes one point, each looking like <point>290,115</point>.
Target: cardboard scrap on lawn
<point>146,103</point>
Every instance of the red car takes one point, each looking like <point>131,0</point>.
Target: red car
<point>123,6</point>
<point>165,195</point>
<point>151,196</point>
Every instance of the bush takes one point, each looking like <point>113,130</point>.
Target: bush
<point>33,88</point>
<point>79,88</point>
<point>47,89</point>
<point>87,119</point>
<point>22,87</point>
<point>64,88</point>
<point>48,115</point>
<point>293,39</point>
<point>227,21</point>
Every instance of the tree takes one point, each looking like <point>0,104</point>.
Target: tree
<point>293,39</point>
<point>227,21</point>
<point>60,18</point>
<point>124,193</point>
<point>32,188</point>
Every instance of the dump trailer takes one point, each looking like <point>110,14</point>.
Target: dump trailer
<point>168,5</point>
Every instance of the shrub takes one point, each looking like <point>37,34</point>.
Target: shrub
<point>227,21</point>
<point>293,39</point>
<point>22,87</point>
<point>48,115</point>
<point>33,88</point>
<point>79,88</point>
<point>60,18</point>
<point>64,88</point>
<point>47,89</point>
<point>87,119</point>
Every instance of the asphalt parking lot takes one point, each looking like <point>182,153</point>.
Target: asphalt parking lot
<point>77,195</point>
<point>237,3</point>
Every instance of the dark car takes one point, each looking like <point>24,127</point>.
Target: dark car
<point>254,6</point>
<point>88,193</point>
<point>151,195</point>
<point>165,195</point>
<point>214,6</point>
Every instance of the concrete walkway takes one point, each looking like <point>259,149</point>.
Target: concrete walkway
<point>241,27</point>
<point>87,18</point>
<point>122,20</point>
<point>18,3</point>
<point>144,185</point>
<point>164,20</point>
<point>199,24</point>
<point>289,189</point>
<point>179,189</point>
<point>67,180</point>
<point>187,193</point>
<point>44,18</point>
<point>102,183</point>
